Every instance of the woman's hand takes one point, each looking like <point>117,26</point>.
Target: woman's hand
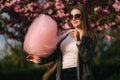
<point>33,58</point>
<point>76,36</point>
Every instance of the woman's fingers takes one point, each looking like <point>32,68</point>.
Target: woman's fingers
<point>34,59</point>
<point>29,57</point>
<point>75,33</point>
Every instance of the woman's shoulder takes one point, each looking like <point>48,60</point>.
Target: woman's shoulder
<point>89,41</point>
<point>84,37</point>
<point>62,31</point>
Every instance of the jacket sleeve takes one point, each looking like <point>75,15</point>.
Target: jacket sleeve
<point>86,49</point>
<point>52,57</point>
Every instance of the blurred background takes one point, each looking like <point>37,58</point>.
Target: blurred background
<point>17,15</point>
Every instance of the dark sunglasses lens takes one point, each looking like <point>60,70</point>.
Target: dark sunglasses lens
<point>70,16</point>
<point>77,16</point>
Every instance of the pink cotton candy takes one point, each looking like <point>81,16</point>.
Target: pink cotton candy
<point>41,38</point>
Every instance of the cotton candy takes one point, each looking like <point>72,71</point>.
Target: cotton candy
<point>41,38</point>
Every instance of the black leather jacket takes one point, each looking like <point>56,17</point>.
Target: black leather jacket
<point>85,53</point>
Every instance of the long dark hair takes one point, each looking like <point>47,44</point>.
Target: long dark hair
<point>85,25</point>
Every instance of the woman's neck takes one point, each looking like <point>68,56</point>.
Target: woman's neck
<point>79,30</point>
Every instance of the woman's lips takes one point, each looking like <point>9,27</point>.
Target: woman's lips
<point>74,22</point>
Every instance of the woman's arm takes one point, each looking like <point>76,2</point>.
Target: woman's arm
<point>38,60</point>
<point>53,57</point>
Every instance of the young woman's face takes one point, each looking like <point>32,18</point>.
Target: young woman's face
<point>75,17</point>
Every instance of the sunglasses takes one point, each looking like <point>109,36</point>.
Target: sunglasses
<point>76,16</point>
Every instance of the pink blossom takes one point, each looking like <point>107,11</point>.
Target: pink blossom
<point>31,14</point>
<point>97,9</point>
<point>9,25</point>
<point>112,23</point>
<point>92,25</point>
<point>31,9</point>
<point>63,6</point>
<point>47,5</point>
<point>2,6</point>
<point>57,0</point>
<point>22,9</point>
<point>105,10</point>
<point>118,17</point>
<point>59,5</point>
<point>66,26</point>
<point>38,10</point>
<point>31,3</point>
<point>17,7</point>
<point>106,26</point>
<point>116,5</point>
<point>18,0</point>
<point>60,13</point>
<point>7,4</point>
<point>34,4</point>
<point>109,38</point>
<point>28,5</point>
<point>41,4</point>
<point>63,14</point>
<point>66,14</point>
<point>35,14</point>
<point>13,2</point>
<point>51,3</point>
<point>50,11</point>
<point>25,9</point>
<point>97,23</point>
<point>84,1</point>
<point>18,10</point>
<point>26,14</point>
<point>55,16</point>
<point>100,28</point>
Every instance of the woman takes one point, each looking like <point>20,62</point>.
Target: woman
<point>74,52</point>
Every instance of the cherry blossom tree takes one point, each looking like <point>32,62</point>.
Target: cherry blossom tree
<point>104,16</point>
<point>17,15</point>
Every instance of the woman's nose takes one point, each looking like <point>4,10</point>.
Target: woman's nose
<point>73,18</point>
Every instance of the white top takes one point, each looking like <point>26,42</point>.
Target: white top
<point>69,52</point>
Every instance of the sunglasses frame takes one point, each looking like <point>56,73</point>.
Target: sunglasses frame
<point>76,16</point>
